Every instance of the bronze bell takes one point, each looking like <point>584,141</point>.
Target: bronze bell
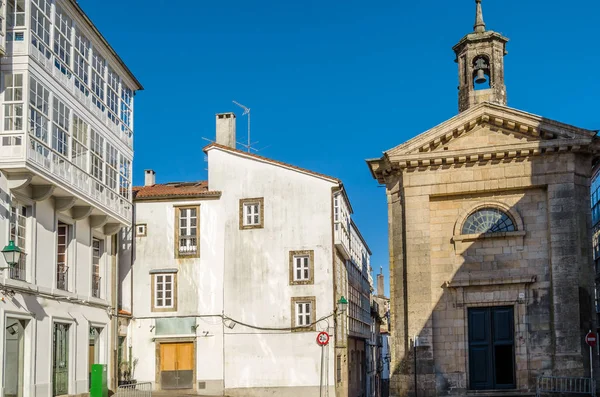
<point>480,79</point>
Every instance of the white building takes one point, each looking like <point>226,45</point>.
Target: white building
<point>234,278</point>
<point>65,191</point>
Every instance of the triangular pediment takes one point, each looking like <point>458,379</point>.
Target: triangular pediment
<point>483,135</point>
<point>491,126</point>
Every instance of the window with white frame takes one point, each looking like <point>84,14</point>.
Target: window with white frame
<point>111,166</point>
<point>62,39</point>
<point>303,313</point>
<point>63,233</point>
<point>164,291</point>
<point>140,230</point>
<point>80,62</point>
<point>251,213</point>
<point>301,268</point>
<point>112,96</point>
<point>125,177</point>
<point>40,26</point>
<point>15,10</point>
<point>60,127</point>
<point>13,102</point>
<point>79,146</point>
<point>98,65</point>
<point>97,155</point>
<point>187,222</point>
<point>39,96</point>
<point>126,107</point>
<point>18,234</point>
<point>97,251</point>
<point>336,209</point>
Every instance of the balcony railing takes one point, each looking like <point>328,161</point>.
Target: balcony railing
<point>68,82</point>
<point>57,165</point>
<point>188,246</point>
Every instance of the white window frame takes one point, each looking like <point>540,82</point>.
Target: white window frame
<point>63,24</point>
<point>160,287</point>
<point>303,313</point>
<point>13,14</point>
<point>188,230</point>
<point>60,128</point>
<point>13,102</point>
<point>302,265</point>
<point>97,254</point>
<point>79,145</point>
<point>252,214</point>
<point>65,263</point>
<point>19,227</point>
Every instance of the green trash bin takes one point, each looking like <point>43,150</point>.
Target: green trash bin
<point>99,386</point>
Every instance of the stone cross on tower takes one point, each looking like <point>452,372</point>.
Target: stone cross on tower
<point>480,58</point>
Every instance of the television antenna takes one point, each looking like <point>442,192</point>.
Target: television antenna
<point>246,112</point>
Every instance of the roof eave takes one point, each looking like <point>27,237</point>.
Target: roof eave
<point>214,195</point>
<point>76,5</point>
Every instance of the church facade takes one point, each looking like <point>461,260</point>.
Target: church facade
<point>490,248</point>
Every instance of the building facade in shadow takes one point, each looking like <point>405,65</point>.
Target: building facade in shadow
<point>490,246</point>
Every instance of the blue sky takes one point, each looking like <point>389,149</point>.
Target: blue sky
<point>331,83</point>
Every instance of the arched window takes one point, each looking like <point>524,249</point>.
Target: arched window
<point>488,220</point>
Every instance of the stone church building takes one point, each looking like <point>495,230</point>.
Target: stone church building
<point>489,234</point>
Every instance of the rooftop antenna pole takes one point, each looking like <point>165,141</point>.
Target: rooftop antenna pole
<point>246,112</point>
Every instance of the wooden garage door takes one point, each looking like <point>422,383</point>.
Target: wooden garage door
<point>177,365</point>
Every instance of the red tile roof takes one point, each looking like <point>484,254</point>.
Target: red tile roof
<point>174,189</point>
<point>268,160</point>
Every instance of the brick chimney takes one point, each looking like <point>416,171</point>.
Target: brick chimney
<point>226,129</point>
<point>380,283</point>
<point>149,177</point>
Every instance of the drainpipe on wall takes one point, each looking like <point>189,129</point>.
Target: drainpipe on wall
<point>115,319</point>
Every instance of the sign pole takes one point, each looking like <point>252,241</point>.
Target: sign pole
<point>321,386</point>
<point>591,362</point>
<point>591,340</point>
<point>415,343</point>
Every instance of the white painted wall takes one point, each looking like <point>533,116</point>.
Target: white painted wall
<point>297,216</point>
<point>45,305</point>
<point>200,286</point>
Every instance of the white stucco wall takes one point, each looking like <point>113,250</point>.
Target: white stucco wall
<point>297,216</point>
<point>199,292</point>
<point>45,304</point>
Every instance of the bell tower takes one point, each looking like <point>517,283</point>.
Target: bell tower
<point>480,58</point>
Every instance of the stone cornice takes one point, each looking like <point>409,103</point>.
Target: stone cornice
<point>485,154</point>
<point>497,116</point>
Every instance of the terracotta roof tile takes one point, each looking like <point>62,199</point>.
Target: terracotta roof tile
<point>266,159</point>
<point>174,189</point>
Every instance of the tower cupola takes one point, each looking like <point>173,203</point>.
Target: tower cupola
<point>480,58</point>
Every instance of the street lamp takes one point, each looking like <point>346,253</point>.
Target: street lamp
<point>342,304</point>
<point>12,254</point>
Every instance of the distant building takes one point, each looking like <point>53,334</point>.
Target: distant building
<point>490,258</point>
<point>595,201</point>
<point>66,149</point>
<point>382,306</point>
<point>233,278</point>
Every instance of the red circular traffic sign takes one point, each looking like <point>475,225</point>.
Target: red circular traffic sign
<point>591,339</point>
<point>323,338</point>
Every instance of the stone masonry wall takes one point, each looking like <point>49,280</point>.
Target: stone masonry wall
<point>544,273</point>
